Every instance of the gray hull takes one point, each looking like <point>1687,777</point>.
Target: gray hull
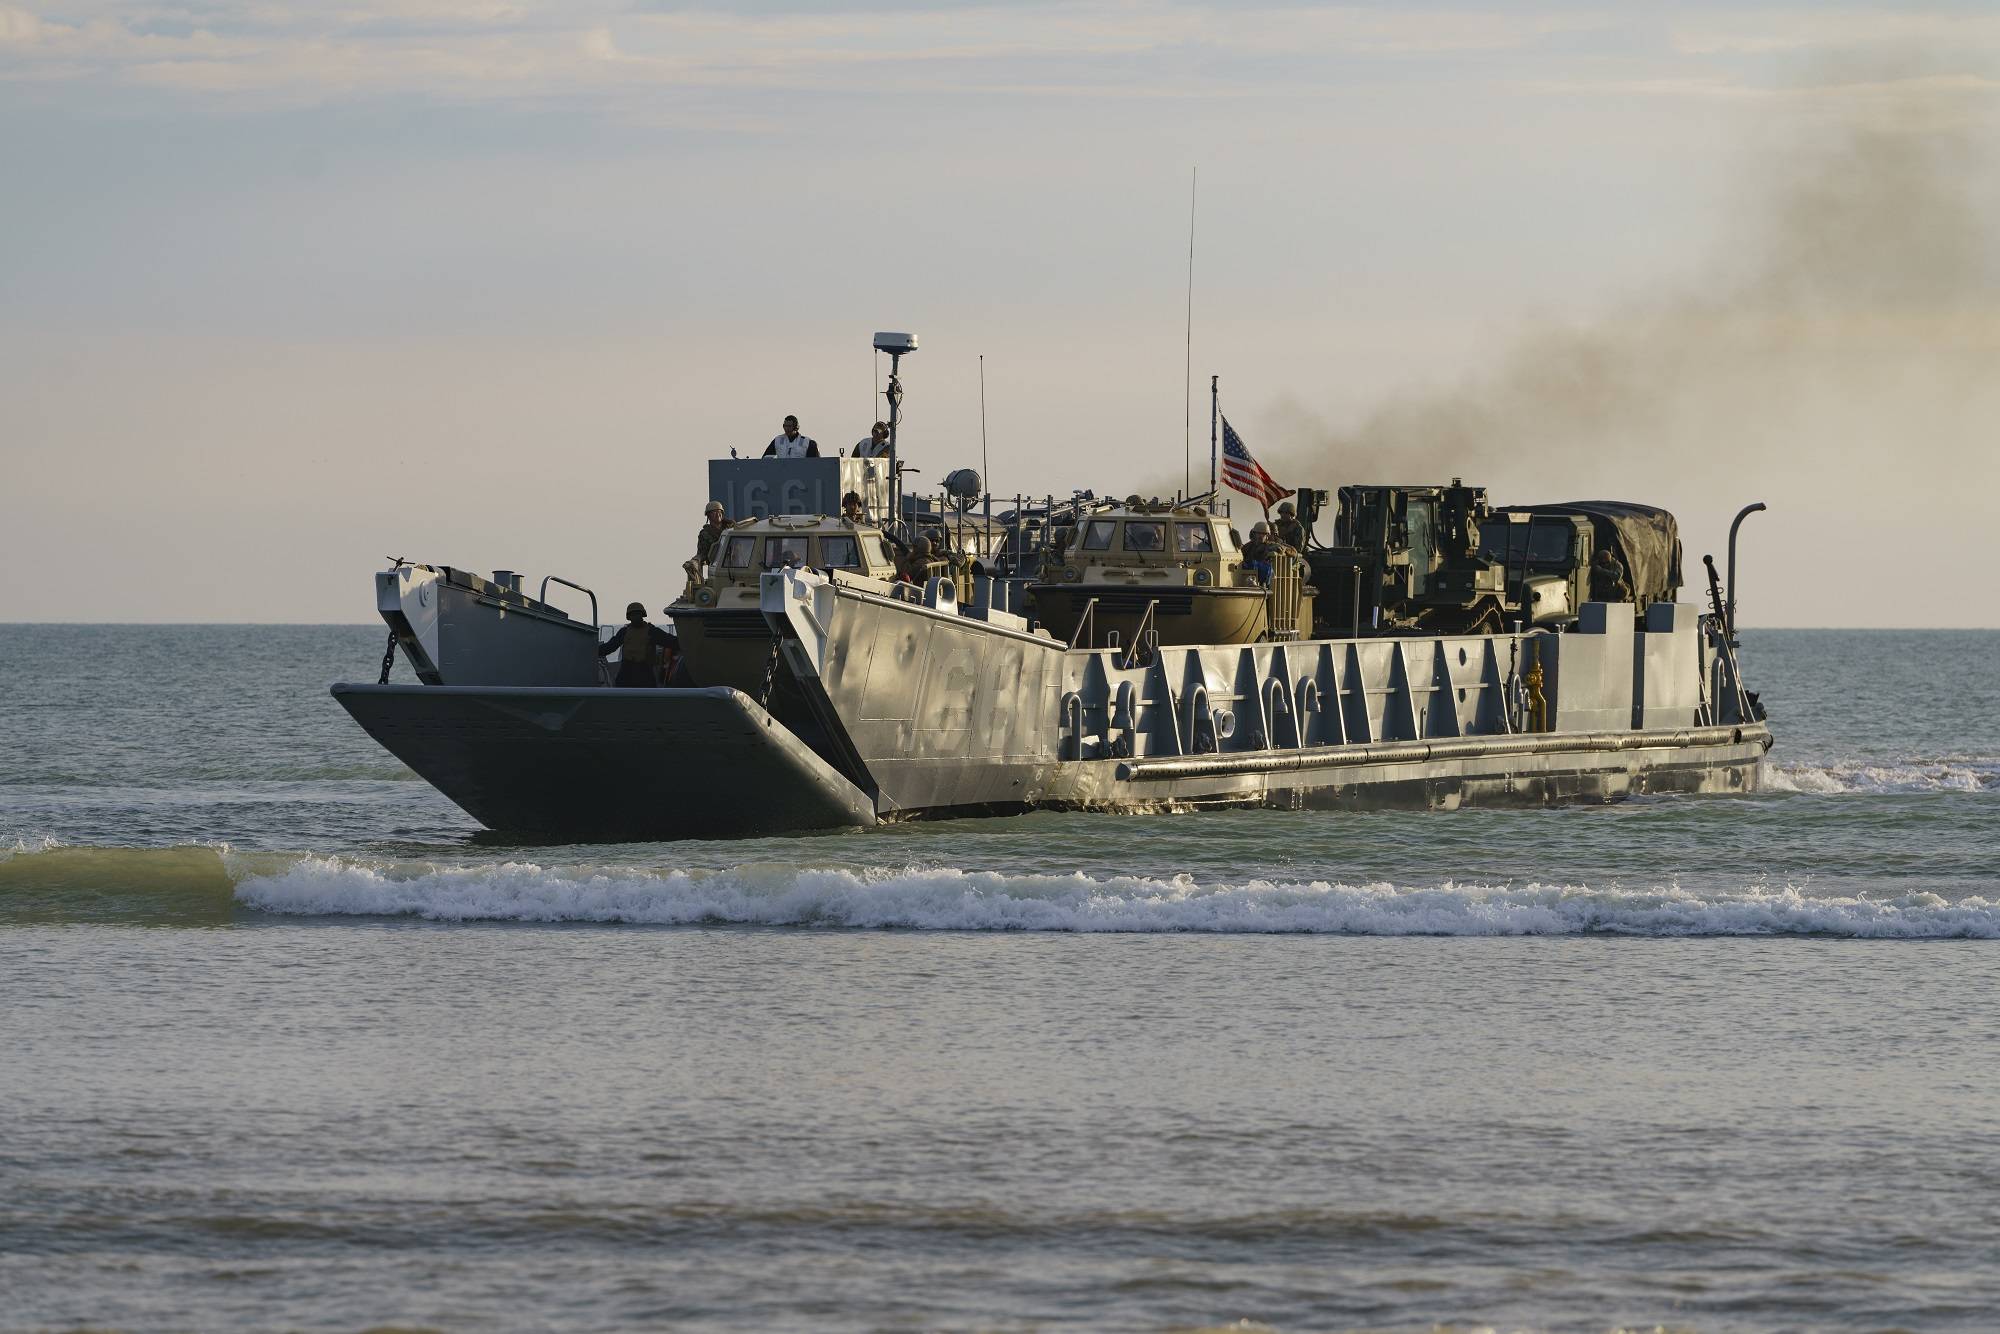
<point>610,764</point>
<point>1473,772</point>
<point>888,710</point>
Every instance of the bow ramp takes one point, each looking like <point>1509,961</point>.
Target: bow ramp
<point>605,763</point>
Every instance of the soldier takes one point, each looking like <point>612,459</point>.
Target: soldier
<point>714,523</point>
<point>1260,552</point>
<point>707,542</point>
<point>1607,578</point>
<point>1288,528</point>
<point>851,508</point>
<point>917,562</point>
<point>789,444</point>
<point>646,653</point>
<point>876,446</point>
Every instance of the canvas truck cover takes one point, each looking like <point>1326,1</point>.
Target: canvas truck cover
<point>1645,539</point>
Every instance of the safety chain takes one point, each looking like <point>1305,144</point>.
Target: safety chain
<point>770,676</point>
<point>389,653</point>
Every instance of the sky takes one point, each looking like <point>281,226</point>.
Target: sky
<point>289,289</point>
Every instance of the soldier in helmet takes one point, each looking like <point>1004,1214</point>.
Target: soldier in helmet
<point>1607,578</point>
<point>713,524</point>
<point>1260,552</point>
<point>707,542</point>
<point>646,653</point>
<point>1288,528</point>
<point>851,508</point>
<point>917,561</point>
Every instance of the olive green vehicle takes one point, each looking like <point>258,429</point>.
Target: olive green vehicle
<point>725,638</point>
<point>1174,574</point>
<point>1442,560</point>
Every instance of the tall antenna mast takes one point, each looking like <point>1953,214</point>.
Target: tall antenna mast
<point>985,469</point>
<point>1187,366</point>
<point>898,346</point>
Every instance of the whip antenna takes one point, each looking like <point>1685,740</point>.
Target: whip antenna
<point>985,468</point>
<point>1187,364</point>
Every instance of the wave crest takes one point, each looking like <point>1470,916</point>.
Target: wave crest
<point>949,899</point>
<point>1839,777</point>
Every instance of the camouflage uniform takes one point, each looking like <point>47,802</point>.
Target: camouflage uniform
<point>1607,579</point>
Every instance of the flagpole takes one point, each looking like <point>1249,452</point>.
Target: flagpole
<point>1214,415</point>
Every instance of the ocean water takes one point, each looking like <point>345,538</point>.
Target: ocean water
<point>289,1043</point>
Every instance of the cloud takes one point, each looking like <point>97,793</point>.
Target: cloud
<point>469,49</point>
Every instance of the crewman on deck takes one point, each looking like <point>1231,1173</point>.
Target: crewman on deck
<point>1288,528</point>
<point>789,444</point>
<point>646,653</point>
<point>876,446</point>
<point>1607,578</point>
<point>1260,553</point>
<point>851,508</point>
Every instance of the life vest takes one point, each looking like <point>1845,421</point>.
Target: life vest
<point>638,646</point>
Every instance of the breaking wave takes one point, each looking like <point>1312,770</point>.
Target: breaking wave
<point>1840,777</point>
<point>948,899</point>
<point>213,885</point>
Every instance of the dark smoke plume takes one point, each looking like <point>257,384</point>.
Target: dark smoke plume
<point>1849,337</point>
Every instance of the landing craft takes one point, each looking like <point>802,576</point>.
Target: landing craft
<point>1080,653</point>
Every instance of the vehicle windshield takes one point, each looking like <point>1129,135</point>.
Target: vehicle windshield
<point>736,551</point>
<point>1548,542</point>
<point>1097,537</point>
<point>1195,537</point>
<point>1494,539</point>
<point>841,552</point>
<point>1145,536</point>
<point>779,551</point>
<point>877,556</point>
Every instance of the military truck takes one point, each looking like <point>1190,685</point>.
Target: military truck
<point>1443,560</point>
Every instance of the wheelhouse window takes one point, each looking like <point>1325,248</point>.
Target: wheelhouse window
<point>736,551</point>
<point>839,552</point>
<point>781,551</point>
<point>1147,536</point>
<point>1098,534</point>
<point>1195,538</point>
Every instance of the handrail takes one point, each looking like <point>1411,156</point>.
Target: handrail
<point>543,597</point>
<point>1139,635</point>
<point>1087,621</point>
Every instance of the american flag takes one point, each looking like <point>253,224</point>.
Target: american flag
<point>1244,473</point>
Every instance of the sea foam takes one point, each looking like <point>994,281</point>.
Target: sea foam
<point>1840,777</point>
<point>950,899</point>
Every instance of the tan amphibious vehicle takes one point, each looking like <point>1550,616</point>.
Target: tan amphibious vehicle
<point>725,639</point>
<point>1173,572</point>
